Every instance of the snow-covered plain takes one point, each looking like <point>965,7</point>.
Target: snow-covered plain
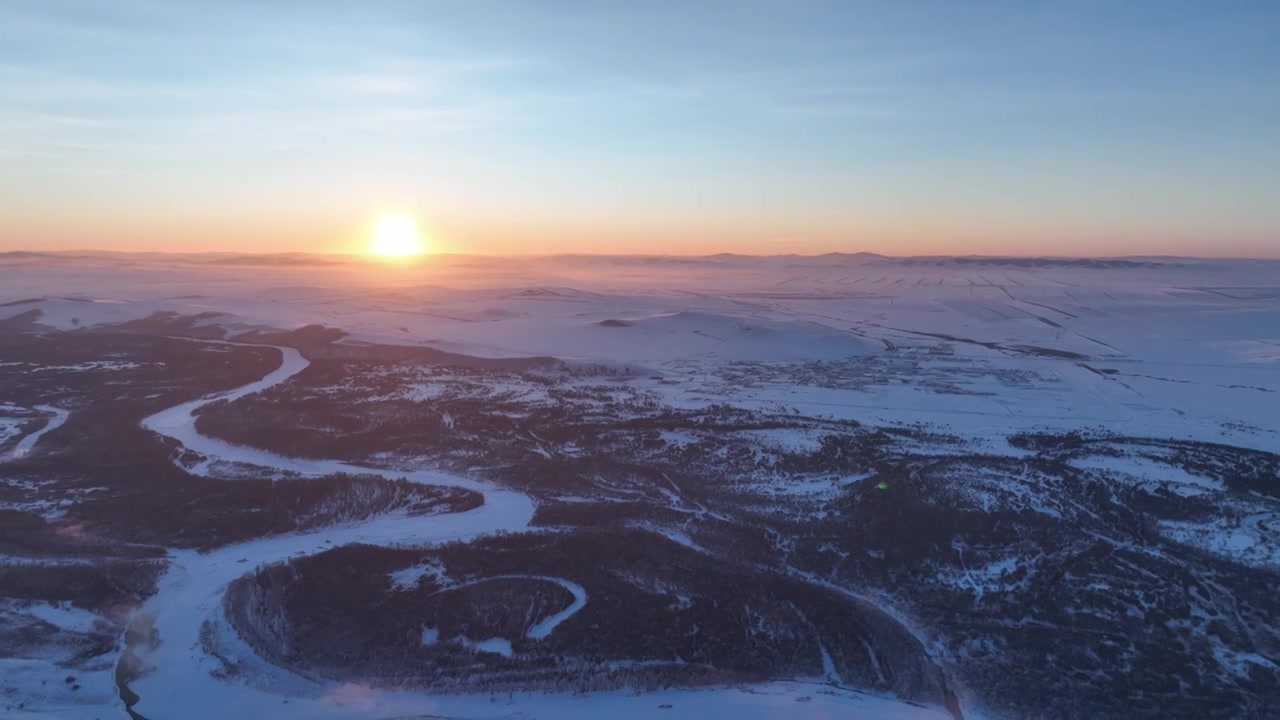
<point>1186,349</point>
<point>1170,347</point>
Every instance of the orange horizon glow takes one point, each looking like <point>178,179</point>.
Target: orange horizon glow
<point>831,127</point>
<point>346,237</point>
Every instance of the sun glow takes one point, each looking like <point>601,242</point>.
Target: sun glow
<point>395,236</point>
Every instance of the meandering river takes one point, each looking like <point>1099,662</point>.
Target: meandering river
<point>178,683</point>
<point>182,680</point>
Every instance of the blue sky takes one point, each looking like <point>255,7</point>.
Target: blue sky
<point>522,126</point>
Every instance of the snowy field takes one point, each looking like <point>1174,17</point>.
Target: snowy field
<point>982,348</point>
<point>1173,347</point>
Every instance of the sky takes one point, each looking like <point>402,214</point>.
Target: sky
<point>552,126</point>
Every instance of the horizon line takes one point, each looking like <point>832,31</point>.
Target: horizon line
<point>542,256</point>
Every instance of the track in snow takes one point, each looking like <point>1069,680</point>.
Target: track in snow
<point>25,445</point>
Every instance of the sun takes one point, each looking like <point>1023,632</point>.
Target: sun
<point>395,236</point>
